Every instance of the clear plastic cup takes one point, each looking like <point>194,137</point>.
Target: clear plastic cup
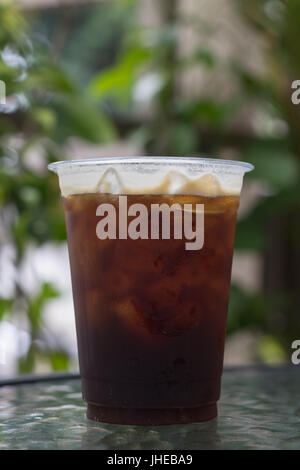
<point>151,242</point>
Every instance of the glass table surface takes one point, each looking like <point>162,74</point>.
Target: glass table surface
<point>259,409</point>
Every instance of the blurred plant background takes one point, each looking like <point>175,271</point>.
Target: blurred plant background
<point>178,77</point>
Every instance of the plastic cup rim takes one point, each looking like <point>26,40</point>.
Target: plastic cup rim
<point>56,166</point>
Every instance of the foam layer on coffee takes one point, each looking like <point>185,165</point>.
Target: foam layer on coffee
<point>134,179</point>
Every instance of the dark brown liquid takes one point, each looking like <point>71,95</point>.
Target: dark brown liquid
<point>150,315</point>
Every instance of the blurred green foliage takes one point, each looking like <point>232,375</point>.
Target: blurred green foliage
<point>46,105</point>
<point>207,125</point>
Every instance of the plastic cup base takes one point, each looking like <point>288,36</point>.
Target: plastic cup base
<point>151,417</point>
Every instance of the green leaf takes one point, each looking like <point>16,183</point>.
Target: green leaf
<point>50,78</point>
<point>12,22</point>
<point>37,303</point>
<point>205,57</point>
<point>27,363</point>
<point>59,360</point>
<point>5,307</point>
<point>274,165</point>
<point>9,76</point>
<point>205,111</point>
<point>44,117</point>
<point>182,139</point>
<point>250,234</point>
<point>270,350</point>
<point>21,233</point>
<point>119,79</point>
<point>256,87</point>
<point>80,117</point>
<point>246,309</point>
